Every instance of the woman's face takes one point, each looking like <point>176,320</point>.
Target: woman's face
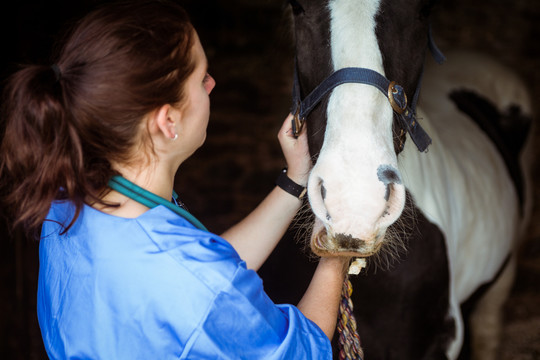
<point>196,109</point>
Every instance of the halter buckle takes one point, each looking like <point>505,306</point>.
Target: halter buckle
<point>297,123</point>
<point>392,90</point>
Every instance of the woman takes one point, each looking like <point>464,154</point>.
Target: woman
<point>91,148</point>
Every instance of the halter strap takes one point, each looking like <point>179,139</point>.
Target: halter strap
<point>150,200</point>
<point>395,94</point>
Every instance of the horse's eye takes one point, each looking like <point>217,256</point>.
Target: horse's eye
<point>296,7</point>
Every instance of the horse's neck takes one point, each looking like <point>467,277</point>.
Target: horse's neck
<point>456,184</point>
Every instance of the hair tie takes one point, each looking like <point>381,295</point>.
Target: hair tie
<point>57,72</point>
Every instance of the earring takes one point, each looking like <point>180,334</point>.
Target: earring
<point>175,137</point>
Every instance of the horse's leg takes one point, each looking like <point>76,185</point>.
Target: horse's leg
<point>487,317</point>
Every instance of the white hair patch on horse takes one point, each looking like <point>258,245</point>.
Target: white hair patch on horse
<point>358,137</point>
<point>354,24</point>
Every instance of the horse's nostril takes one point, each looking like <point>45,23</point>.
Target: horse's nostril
<point>388,191</point>
<point>323,196</point>
<point>388,175</point>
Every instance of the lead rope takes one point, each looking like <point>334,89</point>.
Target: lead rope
<point>349,340</point>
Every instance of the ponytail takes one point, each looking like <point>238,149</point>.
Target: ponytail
<point>40,153</point>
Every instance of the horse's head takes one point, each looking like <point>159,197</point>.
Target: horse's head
<point>355,188</point>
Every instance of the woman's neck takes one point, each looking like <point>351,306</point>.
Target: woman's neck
<point>156,179</point>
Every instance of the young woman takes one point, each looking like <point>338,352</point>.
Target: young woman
<point>91,147</point>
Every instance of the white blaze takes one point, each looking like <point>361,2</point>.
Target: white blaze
<point>358,138</point>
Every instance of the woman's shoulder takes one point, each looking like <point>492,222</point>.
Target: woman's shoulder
<point>208,255</point>
<point>169,230</point>
<point>159,235</point>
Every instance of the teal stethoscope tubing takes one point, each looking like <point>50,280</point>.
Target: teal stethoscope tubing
<point>150,200</point>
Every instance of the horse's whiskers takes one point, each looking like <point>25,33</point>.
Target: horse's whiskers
<point>394,245</point>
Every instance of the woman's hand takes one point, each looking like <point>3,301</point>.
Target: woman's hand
<point>296,152</point>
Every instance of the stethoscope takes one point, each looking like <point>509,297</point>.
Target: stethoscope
<point>151,200</point>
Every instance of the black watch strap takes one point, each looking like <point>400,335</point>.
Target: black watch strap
<point>284,182</point>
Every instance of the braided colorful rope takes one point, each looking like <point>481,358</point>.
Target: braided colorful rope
<point>349,340</point>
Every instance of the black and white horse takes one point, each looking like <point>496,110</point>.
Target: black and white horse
<point>458,210</point>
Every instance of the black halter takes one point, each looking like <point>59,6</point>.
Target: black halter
<point>395,94</point>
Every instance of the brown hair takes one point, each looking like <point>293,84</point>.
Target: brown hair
<point>67,123</point>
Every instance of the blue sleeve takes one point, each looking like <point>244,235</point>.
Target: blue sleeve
<point>243,323</point>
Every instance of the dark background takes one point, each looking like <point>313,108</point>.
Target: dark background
<point>248,44</point>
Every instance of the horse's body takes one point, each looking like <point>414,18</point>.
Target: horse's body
<point>466,199</point>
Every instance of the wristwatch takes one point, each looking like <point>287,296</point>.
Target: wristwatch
<point>284,182</point>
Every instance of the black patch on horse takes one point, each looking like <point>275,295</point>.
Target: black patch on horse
<point>507,130</point>
<point>312,44</point>
<point>412,297</point>
<point>402,34</point>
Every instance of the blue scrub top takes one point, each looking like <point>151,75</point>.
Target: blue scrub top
<point>155,287</point>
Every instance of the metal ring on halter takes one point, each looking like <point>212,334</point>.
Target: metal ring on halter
<point>297,123</point>
<point>391,91</point>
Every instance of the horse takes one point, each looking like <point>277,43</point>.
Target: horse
<point>442,188</point>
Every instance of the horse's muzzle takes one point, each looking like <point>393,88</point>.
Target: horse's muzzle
<point>324,244</point>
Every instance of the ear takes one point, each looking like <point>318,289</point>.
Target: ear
<point>164,121</point>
